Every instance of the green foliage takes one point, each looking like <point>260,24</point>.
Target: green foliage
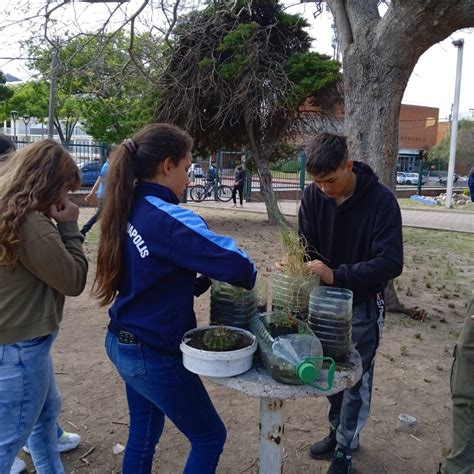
<point>464,147</point>
<point>240,70</point>
<point>30,98</point>
<point>205,63</point>
<point>234,69</point>
<point>283,320</point>
<point>236,40</point>
<point>291,166</point>
<point>98,85</point>
<point>295,252</point>
<point>220,339</point>
<point>310,73</point>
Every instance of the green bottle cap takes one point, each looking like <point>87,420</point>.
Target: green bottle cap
<point>307,372</point>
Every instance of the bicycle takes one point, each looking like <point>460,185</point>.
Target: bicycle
<point>199,192</point>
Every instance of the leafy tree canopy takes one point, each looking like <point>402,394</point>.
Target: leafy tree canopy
<point>464,147</point>
<point>242,72</point>
<point>98,83</point>
<point>29,98</point>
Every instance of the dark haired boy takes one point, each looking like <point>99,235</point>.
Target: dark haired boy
<point>353,228</point>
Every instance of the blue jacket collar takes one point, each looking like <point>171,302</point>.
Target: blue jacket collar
<point>144,188</point>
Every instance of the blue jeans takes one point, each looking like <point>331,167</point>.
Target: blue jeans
<point>349,409</point>
<point>29,404</point>
<point>158,385</point>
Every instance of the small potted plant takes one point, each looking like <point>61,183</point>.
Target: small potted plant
<point>282,323</point>
<point>218,351</point>
<point>231,305</point>
<point>292,285</point>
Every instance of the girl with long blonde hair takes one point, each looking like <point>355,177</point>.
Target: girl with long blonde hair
<point>41,261</point>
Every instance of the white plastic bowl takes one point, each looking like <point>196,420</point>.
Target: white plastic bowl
<point>218,364</point>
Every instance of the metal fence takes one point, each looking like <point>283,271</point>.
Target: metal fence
<point>81,152</point>
<point>287,175</point>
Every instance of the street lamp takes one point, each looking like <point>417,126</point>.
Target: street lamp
<point>454,127</point>
<point>14,116</point>
<point>26,121</point>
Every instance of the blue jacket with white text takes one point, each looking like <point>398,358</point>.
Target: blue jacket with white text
<point>166,245</point>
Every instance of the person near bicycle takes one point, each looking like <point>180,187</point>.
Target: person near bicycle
<point>212,173</point>
<point>212,179</point>
<point>238,185</point>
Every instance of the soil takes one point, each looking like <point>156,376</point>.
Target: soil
<point>411,370</point>
<point>196,340</point>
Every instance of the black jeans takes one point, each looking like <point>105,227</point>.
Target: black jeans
<point>88,225</point>
<point>240,188</point>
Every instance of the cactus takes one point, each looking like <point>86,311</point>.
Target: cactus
<point>283,320</point>
<point>220,339</point>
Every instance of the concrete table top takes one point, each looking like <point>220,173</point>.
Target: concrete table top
<point>257,382</point>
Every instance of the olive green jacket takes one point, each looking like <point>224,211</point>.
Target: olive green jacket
<point>51,265</point>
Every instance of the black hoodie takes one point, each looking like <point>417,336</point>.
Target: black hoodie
<point>361,240</point>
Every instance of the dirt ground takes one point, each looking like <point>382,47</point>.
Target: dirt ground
<point>411,376</point>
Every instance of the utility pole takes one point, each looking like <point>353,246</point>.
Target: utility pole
<point>52,89</point>
<point>454,126</point>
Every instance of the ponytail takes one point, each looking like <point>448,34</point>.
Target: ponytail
<point>137,158</point>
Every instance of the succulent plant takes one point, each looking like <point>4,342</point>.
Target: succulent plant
<point>220,339</point>
<point>283,320</point>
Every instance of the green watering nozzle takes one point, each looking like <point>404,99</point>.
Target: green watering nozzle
<point>307,372</point>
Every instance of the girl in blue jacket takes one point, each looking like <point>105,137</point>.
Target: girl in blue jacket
<point>150,252</point>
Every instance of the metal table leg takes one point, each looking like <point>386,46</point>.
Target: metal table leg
<point>272,427</point>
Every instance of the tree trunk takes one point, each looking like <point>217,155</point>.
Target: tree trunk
<point>379,55</point>
<point>266,188</point>
<point>263,169</point>
<point>59,129</point>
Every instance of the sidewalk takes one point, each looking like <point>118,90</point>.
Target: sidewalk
<point>430,219</point>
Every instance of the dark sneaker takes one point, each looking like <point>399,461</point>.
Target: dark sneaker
<point>324,449</point>
<point>340,464</point>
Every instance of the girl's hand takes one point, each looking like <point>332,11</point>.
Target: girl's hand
<point>64,211</point>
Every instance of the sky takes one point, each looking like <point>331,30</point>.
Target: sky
<point>432,82</point>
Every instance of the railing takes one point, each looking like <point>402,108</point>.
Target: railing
<point>82,153</point>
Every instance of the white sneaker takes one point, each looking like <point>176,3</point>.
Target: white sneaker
<point>67,442</point>
<point>18,466</point>
<point>234,205</point>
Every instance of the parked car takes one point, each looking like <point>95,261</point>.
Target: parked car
<point>90,171</point>
<point>401,178</point>
<point>196,169</point>
<point>412,178</point>
<point>408,178</point>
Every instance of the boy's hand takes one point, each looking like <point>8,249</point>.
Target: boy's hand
<point>325,273</point>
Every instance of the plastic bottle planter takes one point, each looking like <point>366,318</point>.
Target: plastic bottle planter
<point>291,294</point>
<point>330,318</point>
<point>201,360</point>
<point>231,305</point>
<point>292,358</point>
